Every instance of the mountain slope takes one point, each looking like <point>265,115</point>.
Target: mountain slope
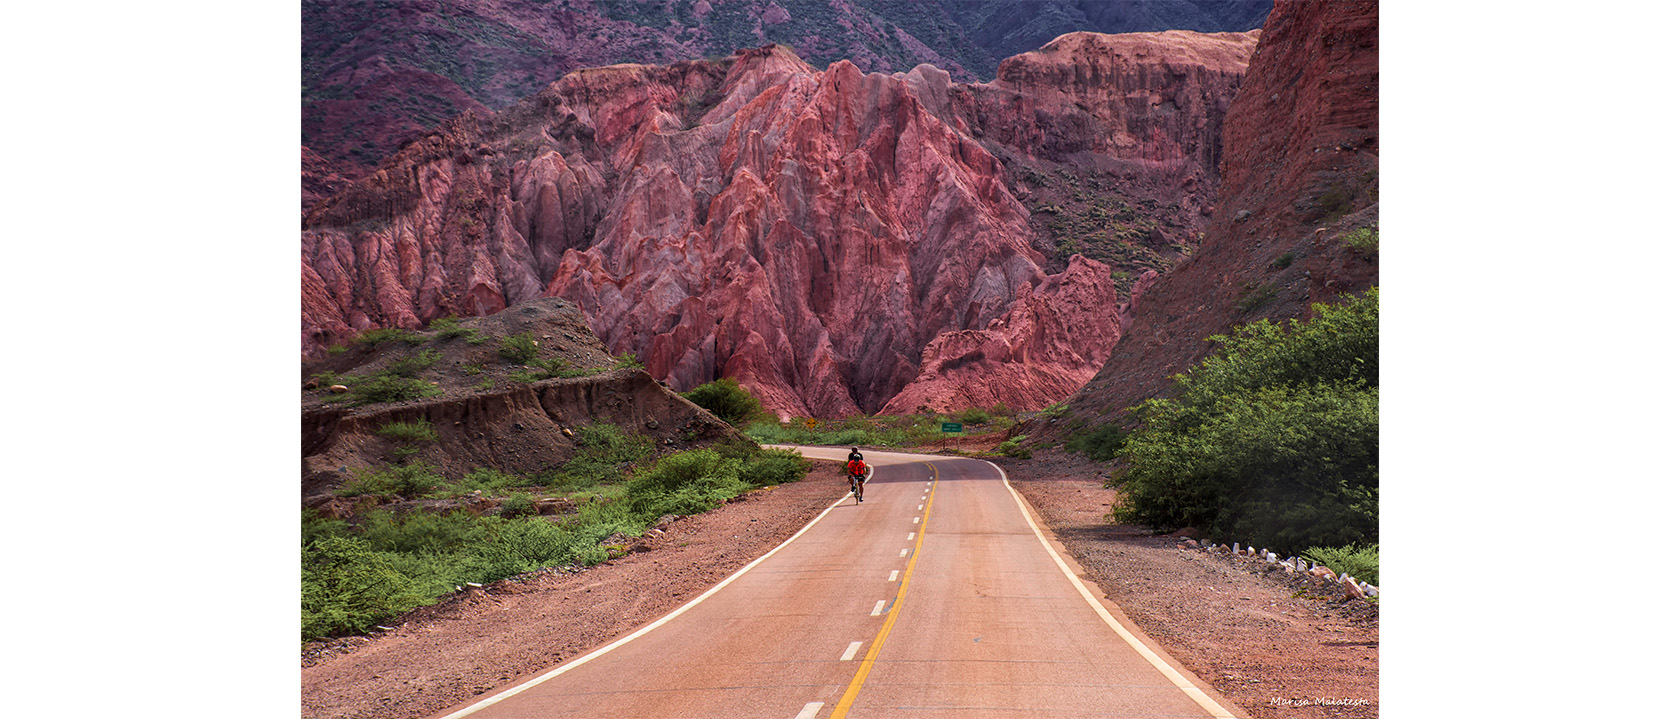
<point>1298,181</point>
<point>839,242</point>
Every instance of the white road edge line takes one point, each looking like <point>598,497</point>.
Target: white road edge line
<point>851,651</point>
<point>810,711</point>
<point>1190,689</point>
<point>568,666</point>
<point>880,605</point>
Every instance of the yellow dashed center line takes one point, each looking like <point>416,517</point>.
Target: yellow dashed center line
<point>852,690</point>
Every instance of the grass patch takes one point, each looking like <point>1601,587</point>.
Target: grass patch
<point>390,388</point>
<point>356,574</point>
<point>417,431</point>
<point>1254,296</point>
<point>1361,241</point>
<point>381,335</point>
<point>1283,261</point>
<point>448,328</point>
<point>409,480</point>
<point>519,349</point>
<point>1354,560</point>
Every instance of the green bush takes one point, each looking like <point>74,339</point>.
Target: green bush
<point>974,415</point>
<point>1015,447</point>
<point>627,360</point>
<point>411,365</point>
<point>1362,241</point>
<point>684,483</point>
<point>347,588</point>
<point>727,399</point>
<point>1356,561</point>
<point>391,388</point>
<point>448,328</point>
<point>604,454</point>
<point>381,335</point>
<point>1273,440</point>
<point>519,349</point>
<point>1001,409</point>
<point>1100,443</point>
<point>517,505</point>
<point>555,368</point>
<point>407,480</point>
<point>417,431</point>
<point>774,466</point>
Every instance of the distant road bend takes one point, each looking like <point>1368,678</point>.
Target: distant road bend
<point>938,596</point>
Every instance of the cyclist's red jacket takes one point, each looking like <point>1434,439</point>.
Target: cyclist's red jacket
<point>857,466</point>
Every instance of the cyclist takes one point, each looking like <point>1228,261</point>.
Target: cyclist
<point>854,455</point>
<point>855,468</point>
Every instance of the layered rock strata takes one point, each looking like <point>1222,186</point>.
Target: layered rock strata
<point>1298,176</point>
<point>838,242</point>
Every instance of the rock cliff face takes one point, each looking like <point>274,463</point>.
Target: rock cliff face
<point>378,74</point>
<point>1298,173</point>
<point>838,242</point>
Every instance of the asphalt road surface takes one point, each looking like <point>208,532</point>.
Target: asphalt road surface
<point>936,597</point>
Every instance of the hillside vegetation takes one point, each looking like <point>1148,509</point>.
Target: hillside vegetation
<point>1270,441</point>
<point>484,525</point>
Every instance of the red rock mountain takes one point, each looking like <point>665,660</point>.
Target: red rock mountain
<point>1299,172</point>
<point>378,74</point>
<point>839,242</point>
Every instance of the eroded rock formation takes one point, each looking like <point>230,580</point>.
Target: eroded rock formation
<point>1298,174</point>
<point>838,242</point>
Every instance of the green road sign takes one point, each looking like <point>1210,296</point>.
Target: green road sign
<point>950,427</point>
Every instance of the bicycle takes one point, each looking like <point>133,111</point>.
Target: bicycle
<point>857,487</point>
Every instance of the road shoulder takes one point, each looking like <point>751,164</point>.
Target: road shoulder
<point>1272,649</point>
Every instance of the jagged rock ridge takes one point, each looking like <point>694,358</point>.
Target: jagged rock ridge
<point>838,242</point>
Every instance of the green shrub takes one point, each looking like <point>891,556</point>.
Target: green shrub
<point>727,399</point>
<point>604,453</point>
<point>411,365</point>
<point>517,505</point>
<point>974,415</point>
<point>448,328</point>
<point>1272,440</point>
<point>519,349</point>
<point>337,349</point>
<point>485,479</point>
<point>627,360</point>
<point>774,466</point>
<point>1284,260</point>
<point>1254,297</point>
<point>417,431</point>
<point>1362,241</point>
<point>347,588</point>
<point>391,388</point>
<point>407,480</point>
<point>381,335</point>
<point>1356,561</point>
<point>1001,409</point>
<point>1015,447</point>
<point>555,368</point>
<point>1100,443</point>
<point>684,483</point>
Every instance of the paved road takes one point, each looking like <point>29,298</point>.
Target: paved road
<point>935,597</point>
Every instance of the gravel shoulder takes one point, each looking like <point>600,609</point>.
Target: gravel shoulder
<point>1274,644</point>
